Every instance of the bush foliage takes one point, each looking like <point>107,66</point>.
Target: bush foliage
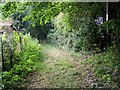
<point>15,73</point>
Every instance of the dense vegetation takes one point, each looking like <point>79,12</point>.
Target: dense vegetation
<point>18,63</point>
<point>72,25</point>
<point>72,21</point>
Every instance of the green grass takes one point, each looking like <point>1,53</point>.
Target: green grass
<point>39,64</point>
<point>64,69</point>
<point>58,69</point>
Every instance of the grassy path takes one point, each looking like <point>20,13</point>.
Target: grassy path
<point>61,68</point>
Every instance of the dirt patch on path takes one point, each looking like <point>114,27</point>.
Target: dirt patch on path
<point>56,53</point>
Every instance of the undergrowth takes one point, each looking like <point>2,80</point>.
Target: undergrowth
<point>24,60</point>
<point>106,68</point>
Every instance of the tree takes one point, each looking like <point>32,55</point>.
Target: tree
<point>79,19</point>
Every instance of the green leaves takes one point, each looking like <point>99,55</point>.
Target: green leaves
<point>105,66</point>
<point>8,9</point>
<point>23,61</point>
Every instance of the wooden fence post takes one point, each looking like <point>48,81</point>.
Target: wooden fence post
<point>1,55</point>
<point>0,62</point>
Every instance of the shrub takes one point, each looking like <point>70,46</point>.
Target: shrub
<point>79,37</point>
<point>15,76</point>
